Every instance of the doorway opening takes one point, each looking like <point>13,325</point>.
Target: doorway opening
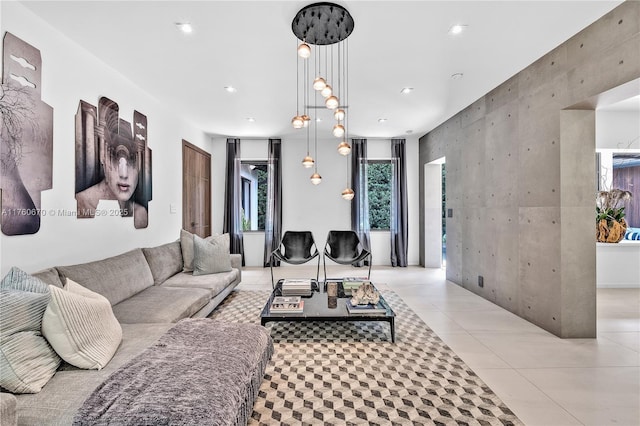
<point>435,214</point>
<point>444,216</point>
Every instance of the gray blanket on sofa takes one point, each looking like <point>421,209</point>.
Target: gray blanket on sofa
<point>200,372</point>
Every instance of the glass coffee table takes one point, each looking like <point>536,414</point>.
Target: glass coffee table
<point>320,307</point>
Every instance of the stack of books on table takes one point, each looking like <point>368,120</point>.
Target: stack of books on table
<point>288,304</point>
<point>351,284</point>
<point>365,309</point>
<point>296,287</point>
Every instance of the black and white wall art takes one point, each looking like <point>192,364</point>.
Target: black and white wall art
<point>26,138</point>
<point>113,162</point>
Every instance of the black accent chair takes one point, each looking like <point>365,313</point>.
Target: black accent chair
<point>344,247</point>
<point>296,248</point>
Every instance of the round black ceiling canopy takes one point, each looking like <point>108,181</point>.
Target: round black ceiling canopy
<point>322,23</point>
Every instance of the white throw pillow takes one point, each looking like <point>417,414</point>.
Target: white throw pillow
<point>79,324</point>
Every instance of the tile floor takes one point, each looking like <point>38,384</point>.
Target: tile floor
<point>545,380</point>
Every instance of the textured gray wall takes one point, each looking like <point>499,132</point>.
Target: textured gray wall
<point>521,178</point>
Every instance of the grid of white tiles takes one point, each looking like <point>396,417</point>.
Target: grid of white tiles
<point>545,380</point>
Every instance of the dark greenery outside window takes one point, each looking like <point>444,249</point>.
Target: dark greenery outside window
<point>254,195</point>
<point>379,178</point>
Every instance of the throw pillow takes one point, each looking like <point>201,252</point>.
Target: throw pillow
<point>81,327</point>
<point>27,362</point>
<point>212,256</point>
<point>186,244</point>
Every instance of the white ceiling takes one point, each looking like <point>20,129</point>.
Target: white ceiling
<point>249,45</point>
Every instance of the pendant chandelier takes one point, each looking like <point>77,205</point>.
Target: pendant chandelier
<point>321,31</point>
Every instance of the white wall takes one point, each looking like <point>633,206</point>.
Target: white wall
<point>617,129</point>
<point>71,74</point>
<point>318,209</point>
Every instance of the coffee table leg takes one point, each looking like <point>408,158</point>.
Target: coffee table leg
<point>393,331</point>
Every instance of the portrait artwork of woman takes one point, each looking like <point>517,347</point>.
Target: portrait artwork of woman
<point>112,162</point>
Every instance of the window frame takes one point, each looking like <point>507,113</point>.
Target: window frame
<point>255,162</point>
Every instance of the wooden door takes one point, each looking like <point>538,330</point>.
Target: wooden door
<point>196,190</point>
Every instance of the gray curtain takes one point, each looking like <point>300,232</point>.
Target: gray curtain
<point>360,206</point>
<point>232,201</point>
<point>399,226</point>
<point>273,219</point>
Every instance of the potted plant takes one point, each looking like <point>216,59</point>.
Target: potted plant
<point>610,223</point>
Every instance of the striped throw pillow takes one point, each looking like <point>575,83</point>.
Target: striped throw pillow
<point>27,362</point>
<point>81,327</point>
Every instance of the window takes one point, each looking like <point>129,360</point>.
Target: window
<point>254,195</point>
<point>379,178</point>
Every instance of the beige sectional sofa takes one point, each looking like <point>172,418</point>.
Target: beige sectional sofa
<point>140,281</point>
<point>149,294</point>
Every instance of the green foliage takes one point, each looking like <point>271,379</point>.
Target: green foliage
<point>262,175</point>
<point>246,223</point>
<point>609,205</point>
<point>609,214</point>
<point>379,178</point>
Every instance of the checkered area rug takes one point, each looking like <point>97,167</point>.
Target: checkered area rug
<point>337,373</point>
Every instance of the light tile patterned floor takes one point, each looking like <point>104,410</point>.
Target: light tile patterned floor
<point>545,380</point>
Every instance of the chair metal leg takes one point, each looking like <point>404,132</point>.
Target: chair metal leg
<point>324,264</point>
<point>271,267</point>
<point>369,273</point>
<point>318,270</point>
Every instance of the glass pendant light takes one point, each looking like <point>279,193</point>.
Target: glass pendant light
<point>338,130</point>
<point>316,179</point>
<point>297,122</point>
<point>306,119</point>
<point>348,194</point>
<point>332,102</point>
<point>308,162</point>
<point>326,91</point>
<point>304,50</point>
<point>344,148</point>
<point>319,83</point>
<point>339,114</point>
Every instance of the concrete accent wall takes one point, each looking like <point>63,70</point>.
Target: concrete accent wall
<point>521,179</point>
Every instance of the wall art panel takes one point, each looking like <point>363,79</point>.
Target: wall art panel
<point>26,138</point>
<point>113,162</point>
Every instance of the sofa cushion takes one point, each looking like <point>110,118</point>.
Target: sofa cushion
<point>164,261</point>
<point>211,256</point>
<point>8,409</point>
<point>215,283</point>
<point>81,327</point>
<point>161,304</point>
<point>27,362</point>
<point>117,278</point>
<point>186,245</point>
<point>50,276</point>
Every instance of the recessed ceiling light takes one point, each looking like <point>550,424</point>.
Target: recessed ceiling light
<point>185,27</point>
<point>230,89</point>
<point>406,90</point>
<point>409,132</point>
<point>457,76</point>
<point>457,29</point>
<point>381,120</point>
<point>251,119</point>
